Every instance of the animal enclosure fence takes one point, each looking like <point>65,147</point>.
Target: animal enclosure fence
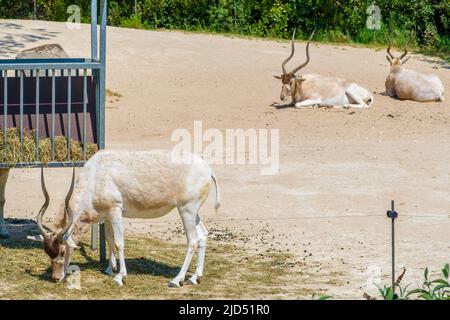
<point>50,98</point>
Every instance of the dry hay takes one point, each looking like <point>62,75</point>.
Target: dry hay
<point>10,153</point>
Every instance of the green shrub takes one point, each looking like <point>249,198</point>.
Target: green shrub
<point>334,20</point>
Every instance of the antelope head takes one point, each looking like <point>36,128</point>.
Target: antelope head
<point>400,60</point>
<point>288,78</point>
<point>56,245</point>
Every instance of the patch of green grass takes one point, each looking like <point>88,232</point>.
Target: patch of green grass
<point>230,272</point>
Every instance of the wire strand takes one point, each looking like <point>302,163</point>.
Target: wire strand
<point>209,219</point>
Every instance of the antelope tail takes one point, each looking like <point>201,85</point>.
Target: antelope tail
<point>217,201</point>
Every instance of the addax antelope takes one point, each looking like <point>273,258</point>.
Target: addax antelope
<point>408,84</point>
<point>117,184</point>
<point>311,90</point>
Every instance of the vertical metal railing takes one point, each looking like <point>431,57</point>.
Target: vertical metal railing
<point>37,116</point>
<point>101,104</point>
<point>21,115</point>
<point>53,114</point>
<point>69,112</point>
<point>5,108</point>
<point>85,101</point>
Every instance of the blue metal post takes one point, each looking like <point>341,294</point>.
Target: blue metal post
<point>102,80</point>
<point>94,37</point>
<point>94,56</point>
<point>102,89</point>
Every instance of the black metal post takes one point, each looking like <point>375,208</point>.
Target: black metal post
<point>102,243</point>
<point>392,214</point>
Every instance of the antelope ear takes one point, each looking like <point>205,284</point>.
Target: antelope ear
<point>71,243</point>
<point>300,78</point>
<point>277,77</point>
<point>38,238</point>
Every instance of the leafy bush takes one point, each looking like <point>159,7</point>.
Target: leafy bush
<point>335,20</point>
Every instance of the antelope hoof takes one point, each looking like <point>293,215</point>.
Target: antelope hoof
<point>109,271</point>
<point>118,280</point>
<point>193,281</point>
<point>174,284</point>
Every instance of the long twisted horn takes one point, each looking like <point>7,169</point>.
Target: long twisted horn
<point>307,56</point>
<point>68,217</point>
<point>389,47</point>
<point>406,45</point>
<point>283,65</point>
<point>44,207</point>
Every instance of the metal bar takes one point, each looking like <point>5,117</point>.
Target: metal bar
<point>53,113</point>
<point>66,164</point>
<point>37,116</point>
<point>69,112</point>
<point>94,36</point>
<point>14,65</point>
<point>104,17</point>
<point>102,243</point>
<point>84,112</point>
<point>393,248</point>
<point>45,60</point>
<point>21,115</point>
<point>392,214</point>
<point>102,92</point>
<point>5,107</point>
<point>94,236</point>
<point>95,73</point>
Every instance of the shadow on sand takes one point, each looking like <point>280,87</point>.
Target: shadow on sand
<point>13,42</point>
<point>135,265</point>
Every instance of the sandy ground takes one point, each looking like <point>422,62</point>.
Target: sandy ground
<point>339,168</point>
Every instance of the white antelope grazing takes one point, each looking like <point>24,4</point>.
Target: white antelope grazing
<point>117,184</point>
<point>411,85</point>
<point>311,90</point>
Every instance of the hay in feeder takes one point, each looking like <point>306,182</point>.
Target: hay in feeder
<point>10,153</point>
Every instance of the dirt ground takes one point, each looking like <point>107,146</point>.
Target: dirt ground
<point>339,168</point>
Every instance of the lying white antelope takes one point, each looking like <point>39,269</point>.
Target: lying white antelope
<point>411,85</point>
<point>311,90</point>
<point>117,184</point>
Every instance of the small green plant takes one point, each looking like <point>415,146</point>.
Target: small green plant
<point>438,289</point>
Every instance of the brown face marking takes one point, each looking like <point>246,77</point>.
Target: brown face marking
<point>286,78</point>
<point>52,247</point>
<point>55,251</point>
